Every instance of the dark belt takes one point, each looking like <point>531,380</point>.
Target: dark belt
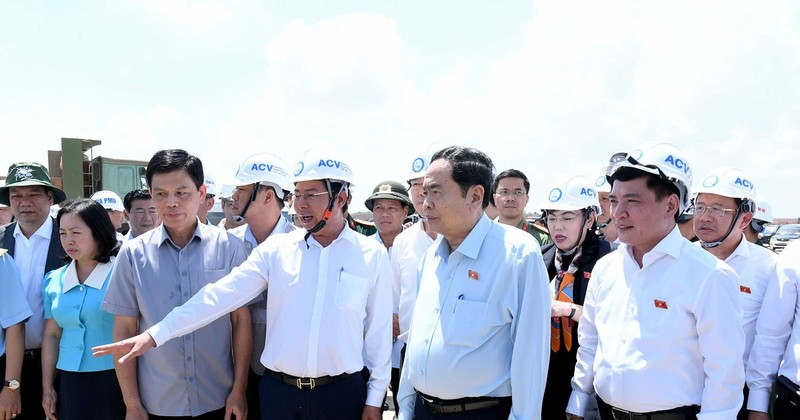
<point>680,413</point>
<point>439,406</point>
<point>33,354</point>
<point>307,383</point>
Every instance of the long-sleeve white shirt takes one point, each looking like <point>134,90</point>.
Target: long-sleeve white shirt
<point>324,305</point>
<point>408,249</point>
<point>777,336</point>
<point>666,335</point>
<point>481,322</point>
<point>756,267</point>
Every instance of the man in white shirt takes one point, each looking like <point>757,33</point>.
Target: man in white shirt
<point>774,359</point>
<point>329,299</point>
<point>661,332</point>
<point>723,208</point>
<point>262,186</point>
<point>478,345</point>
<point>34,243</point>
<point>141,212</point>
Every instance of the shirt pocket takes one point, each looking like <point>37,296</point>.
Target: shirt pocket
<point>351,292</point>
<point>471,324</point>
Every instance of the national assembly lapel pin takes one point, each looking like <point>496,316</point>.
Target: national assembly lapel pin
<point>745,289</point>
<point>661,304</point>
<point>472,274</point>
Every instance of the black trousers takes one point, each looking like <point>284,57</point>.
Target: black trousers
<point>343,400</point>
<point>31,385</point>
<point>211,415</point>
<point>498,412</point>
<point>253,400</point>
<point>785,410</point>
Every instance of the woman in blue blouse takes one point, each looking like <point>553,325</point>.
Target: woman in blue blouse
<point>77,385</point>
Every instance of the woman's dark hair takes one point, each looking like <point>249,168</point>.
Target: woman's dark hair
<point>96,217</point>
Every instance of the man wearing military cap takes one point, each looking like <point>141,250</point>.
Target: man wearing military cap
<point>390,205</point>
<point>33,241</point>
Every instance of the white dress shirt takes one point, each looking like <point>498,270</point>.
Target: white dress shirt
<point>792,251</point>
<point>397,345</point>
<point>31,257</point>
<point>756,267</point>
<point>408,249</point>
<point>666,335</point>
<point>481,322</point>
<point>777,336</point>
<point>324,305</point>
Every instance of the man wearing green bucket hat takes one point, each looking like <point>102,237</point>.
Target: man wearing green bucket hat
<point>33,240</point>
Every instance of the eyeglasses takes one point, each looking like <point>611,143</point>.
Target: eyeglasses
<point>506,193</point>
<point>552,220</point>
<point>309,196</point>
<point>720,212</point>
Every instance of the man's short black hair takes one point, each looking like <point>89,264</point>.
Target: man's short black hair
<point>512,173</point>
<point>470,167</point>
<point>127,202</point>
<point>659,186</point>
<point>165,161</point>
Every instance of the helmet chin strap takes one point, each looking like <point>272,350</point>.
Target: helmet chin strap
<point>328,211</point>
<point>714,244</point>
<point>239,218</point>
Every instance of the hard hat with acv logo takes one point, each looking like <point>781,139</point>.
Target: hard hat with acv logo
<point>319,164</point>
<point>663,160</point>
<point>577,193</point>
<point>730,182</point>
<point>265,169</point>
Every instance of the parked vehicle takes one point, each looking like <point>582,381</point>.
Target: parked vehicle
<point>784,235</point>
<point>766,235</point>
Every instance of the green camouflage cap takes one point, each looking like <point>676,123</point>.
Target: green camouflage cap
<point>26,174</point>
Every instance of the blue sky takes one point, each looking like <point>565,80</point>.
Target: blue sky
<point>551,88</point>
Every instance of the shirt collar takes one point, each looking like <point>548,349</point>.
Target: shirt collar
<point>96,279</point>
<point>163,236</point>
<point>45,231</point>
<point>471,245</point>
<point>670,245</point>
<point>742,250</point>
<point>346,234</point>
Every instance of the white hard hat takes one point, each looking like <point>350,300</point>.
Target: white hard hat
<point>730,182</point>
<point>109,200</point>
<point>663,160</point>
<point>226,191</point>
<point>601,184</point>
<point>211,185</point>
<point>319,164</point>
<point>266,169</point>
<point>576,193</point>
<point>763,209</point>
<point>421,162</point>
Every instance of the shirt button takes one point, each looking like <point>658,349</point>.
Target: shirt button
<point>80,288</point>
<point>188,337</point>
<point>422,372</point>
<point>183,273</point>
<point>80,348</point>
<point>191,379</point>
<point>189,358</point>
<point>185,294</point>
<point>80,326</point>
<point>77,306</point>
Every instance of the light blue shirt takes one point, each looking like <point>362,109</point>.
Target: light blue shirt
<point>481,322</point>
<point>13,305</point>
<point>76,309</point>
<point>152,275</point>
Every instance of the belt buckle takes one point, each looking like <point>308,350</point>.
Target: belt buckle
<point>619,414</point>
<point>310,384</point>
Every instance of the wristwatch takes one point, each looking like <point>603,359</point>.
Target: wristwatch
<point>12,384</point>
